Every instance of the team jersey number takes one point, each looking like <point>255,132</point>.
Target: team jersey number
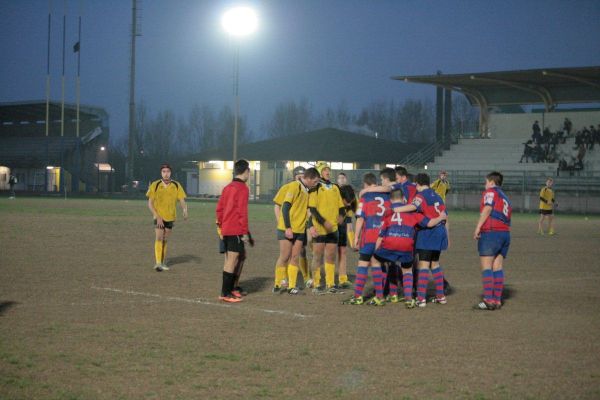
<point>505,207</point>
<point>380,206</point>
<point>397,218</point>
<point>436,205</point>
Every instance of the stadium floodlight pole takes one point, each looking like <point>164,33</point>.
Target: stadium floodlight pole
<point>62,106</point>
<point>48,71</point>
<point>132,125</point>
<point>238,22</point>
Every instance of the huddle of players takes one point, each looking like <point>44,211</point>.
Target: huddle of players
<point>397,222</point>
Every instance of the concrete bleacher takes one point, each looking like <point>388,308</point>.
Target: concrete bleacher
<point>502,154</point>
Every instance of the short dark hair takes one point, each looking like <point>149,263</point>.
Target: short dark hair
<point>389,173</point>
<point>240,167</point>
<point>370,179</point>
<point>495,177</point>
<point>422,179</point>
<point>311,173</point>
<point>401,171</point>
<point>343,174</point>
<point>397,194</point>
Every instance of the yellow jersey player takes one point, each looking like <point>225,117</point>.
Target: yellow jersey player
<point>291,230</point>
<point>547,205</point>
<point>345,229</point>
<point>327,210</point>
<point>441,185</point>
<point>163,196</point>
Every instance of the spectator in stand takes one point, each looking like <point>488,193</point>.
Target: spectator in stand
<point>578,140</point>
<point>538,154</point>
<point>592,137</point>
<point>581,152</point>
<point>567,126</point>
<point>562,166</point>
<point>527,152</point>
<point>536,128</point>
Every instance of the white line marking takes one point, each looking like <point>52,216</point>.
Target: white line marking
<point>202,301</point>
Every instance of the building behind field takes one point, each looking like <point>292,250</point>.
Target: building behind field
<point>61,155</point>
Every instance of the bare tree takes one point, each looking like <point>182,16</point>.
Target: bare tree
<point>290,118</point>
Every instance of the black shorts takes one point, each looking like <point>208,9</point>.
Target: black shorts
<point>365,257</point>
<point>546,212</point>
<point>168,224</point>
<point>342,235</point>
<point>429,255</point>
<point>332,237</point>
<point>296,236</point>
<point>234,244</point>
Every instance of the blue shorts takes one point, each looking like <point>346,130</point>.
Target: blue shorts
<point>491,244</point>
<point>395,256</point>
<point>366,252</point>
<point>435,238</point>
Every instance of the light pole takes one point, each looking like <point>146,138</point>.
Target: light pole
<point>238,22</point>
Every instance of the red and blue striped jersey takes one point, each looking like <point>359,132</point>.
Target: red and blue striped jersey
<point>398,230</point>
<point>408,188</point>
<point>372,208</point>
<point>429,203</point>
<point>499,219</point>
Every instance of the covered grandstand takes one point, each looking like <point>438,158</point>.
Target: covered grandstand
<point>61,155</point>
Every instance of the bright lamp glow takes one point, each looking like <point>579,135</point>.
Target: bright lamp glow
<point>240,21</point>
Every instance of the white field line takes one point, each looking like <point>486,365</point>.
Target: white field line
<point>241,307</point>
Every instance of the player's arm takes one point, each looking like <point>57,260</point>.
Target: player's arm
<point>358,231</point>
<point>285,212</point>
<point>485,213</point>
<point>375,189</point>
<point>320,220</point>
<point>437,220</point>
<point>405,208</point>
<point>159,221</point>
<point>184,208</point>
<point>542,198</point>
<point>277,211</point>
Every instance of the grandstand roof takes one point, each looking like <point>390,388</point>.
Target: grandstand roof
<point>35,111</point>
<point>549,86</point>
<point>328,144</point>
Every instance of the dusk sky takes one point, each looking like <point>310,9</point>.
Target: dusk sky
<point>324,51</point>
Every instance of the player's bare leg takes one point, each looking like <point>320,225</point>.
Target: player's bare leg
<point>293,269</point>
<point>541,224</point>
<point>551,224</point>
<point>343,267</point>
<point>285,251</point>
<point>237,290</point>
<point>318,249</point>
<point>330,254</point>
<point>160,248</point>
<point>231,262</point>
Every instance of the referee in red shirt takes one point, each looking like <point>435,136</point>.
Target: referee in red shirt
<point>232,220</point>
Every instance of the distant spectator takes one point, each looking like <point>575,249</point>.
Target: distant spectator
<point>581,152</point>
<point>538,154</point>
<point>536,128</point>
<point>12,181</point>
<point>567,126</point>
<point>527,151</point>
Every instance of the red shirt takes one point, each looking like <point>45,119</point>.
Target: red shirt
<point>499,219</point>
<point>232,209</point>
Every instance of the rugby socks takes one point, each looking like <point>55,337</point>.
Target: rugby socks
<point>422,283</point>
<point>361,279</point>
<point>317,277</point>
<point>407,285</point>
<point>280,274</point>
<point>438,279</point>
<point>292,271</point>
<point>498,285</point>
<point>343,279</point>
<point>329,275</point>
<point>487,277</point>
<point>228,281</point>
<point>377,281</point>
<point>158,250</point>
<point>304,268</point>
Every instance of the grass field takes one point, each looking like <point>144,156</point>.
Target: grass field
<point>84,316</point>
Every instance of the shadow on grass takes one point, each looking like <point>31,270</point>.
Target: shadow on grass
<point>183,259</point>
<point>256,284</point>
<point>5,305</point>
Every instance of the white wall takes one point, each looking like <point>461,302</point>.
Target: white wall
<point>519,125</point>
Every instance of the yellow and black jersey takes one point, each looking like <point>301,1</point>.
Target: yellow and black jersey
<point>297,195</point>
<point>327,200</point>
<point>546,198</point>
<point>441,187</point>
<point>164,198</point>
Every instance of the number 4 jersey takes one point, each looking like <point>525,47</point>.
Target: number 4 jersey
<point>372,207</point>
<point>499,219</point>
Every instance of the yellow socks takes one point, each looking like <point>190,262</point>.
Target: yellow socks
<point>292,271</point>
<point>329,275</point>
<point>317,277</point>
<point>304,268</point>
<point>343,279</point>
<point>280,274</point>
<point>160,252</point>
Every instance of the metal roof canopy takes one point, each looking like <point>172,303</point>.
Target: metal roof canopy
<point>549,86</point>
<point>35,111</point>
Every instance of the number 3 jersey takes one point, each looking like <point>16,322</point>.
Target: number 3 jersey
<point>499,219</point>
<point>372,207</point>
<point>431,205</point>
<point>398,230</point>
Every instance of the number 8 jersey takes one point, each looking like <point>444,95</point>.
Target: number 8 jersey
<point>372,207</point>
<point>499,219</point>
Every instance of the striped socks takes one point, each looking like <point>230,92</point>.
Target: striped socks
<point>377,281</point>
<point>422,283</point>
<point>438,279</point>
<point>407,285</point>
<point>487,277</point>
<point>361,279</point>
<point>498,285</point>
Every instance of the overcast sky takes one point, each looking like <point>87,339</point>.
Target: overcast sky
<point>324,51</point>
